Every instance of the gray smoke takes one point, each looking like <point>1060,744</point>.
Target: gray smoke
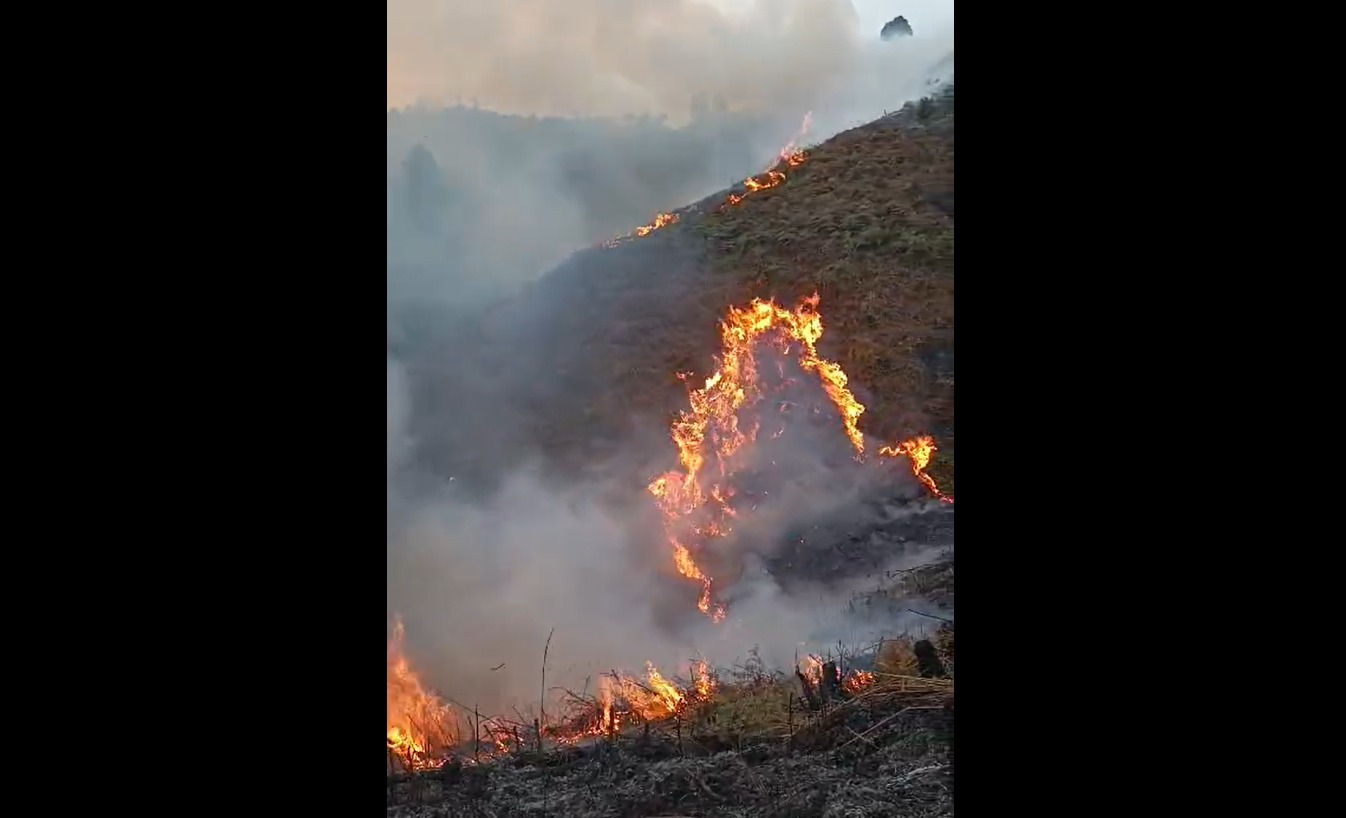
<point>697,98</point>
<point>619,57</point>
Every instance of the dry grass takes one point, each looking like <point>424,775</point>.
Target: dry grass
<point>776,711</point>
<point>854,223</point>
<point>771,705</point>
<point>866,221</point>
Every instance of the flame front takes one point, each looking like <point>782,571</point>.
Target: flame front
<point>790,156</point>
<point>918,450</point>
<point>649,699</point>
<point>696,506</point>
<point>419,723</point>
<point>662,220</point>
<point>857,680</point>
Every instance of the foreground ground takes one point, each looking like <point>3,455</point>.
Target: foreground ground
<point>887,751</point>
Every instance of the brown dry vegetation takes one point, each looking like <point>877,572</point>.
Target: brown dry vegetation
<point>753,748</point>
<point>858,223</point>
<point>867,222</point>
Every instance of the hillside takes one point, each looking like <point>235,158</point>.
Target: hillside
<point>582,367</point>
<point>461,180</point>
<point>589,353</point>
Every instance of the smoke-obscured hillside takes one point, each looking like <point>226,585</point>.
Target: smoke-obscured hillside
<point>479,202</point>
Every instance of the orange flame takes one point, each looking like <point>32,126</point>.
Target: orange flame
<point>918,451</point>
<point>419,723</point>
<point>662,220</point>
<point>790,156</point>
<point>711,427</point>
<point>812,669</point>
<point>650,699</point>
<point>857,680</point>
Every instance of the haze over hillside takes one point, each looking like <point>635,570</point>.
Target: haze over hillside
<point>697,99</point>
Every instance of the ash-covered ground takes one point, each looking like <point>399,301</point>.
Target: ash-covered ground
<point>894,760</point>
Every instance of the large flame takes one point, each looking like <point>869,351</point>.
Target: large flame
<point>696,505</point>
<point>419,723</point>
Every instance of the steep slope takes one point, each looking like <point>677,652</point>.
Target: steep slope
<point>577,361</point>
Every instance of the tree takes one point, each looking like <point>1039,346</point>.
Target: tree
<point>896,27</point>
<point>426,194</point>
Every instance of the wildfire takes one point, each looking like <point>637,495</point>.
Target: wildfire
<point>918,451</point>
<point>857,680</point>
<point>790,156</point>
<point>648,698</point>
<point>652,698</point>
<point>419,723</point>
<point>662,220</point>
<point>811,668</point>
<point>712,429</point>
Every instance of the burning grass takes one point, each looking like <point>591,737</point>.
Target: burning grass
<point>864,220</point>
<point>747,745</point>
<point>706,710</point>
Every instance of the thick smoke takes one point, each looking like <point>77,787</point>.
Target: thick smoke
<point>619,57</point>
<point>481,580</point>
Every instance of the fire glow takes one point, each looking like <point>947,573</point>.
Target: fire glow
<point>696,501</point>
<point>789,157</point>
<point>420,725</point>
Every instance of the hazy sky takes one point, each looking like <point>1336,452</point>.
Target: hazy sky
<point>614,57</point>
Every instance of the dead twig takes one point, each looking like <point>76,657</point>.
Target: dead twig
<point>885,721</point>
<point>859,736</point>
<point>706,789</point>
<point>932,616</point>
<point>542,701</point>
